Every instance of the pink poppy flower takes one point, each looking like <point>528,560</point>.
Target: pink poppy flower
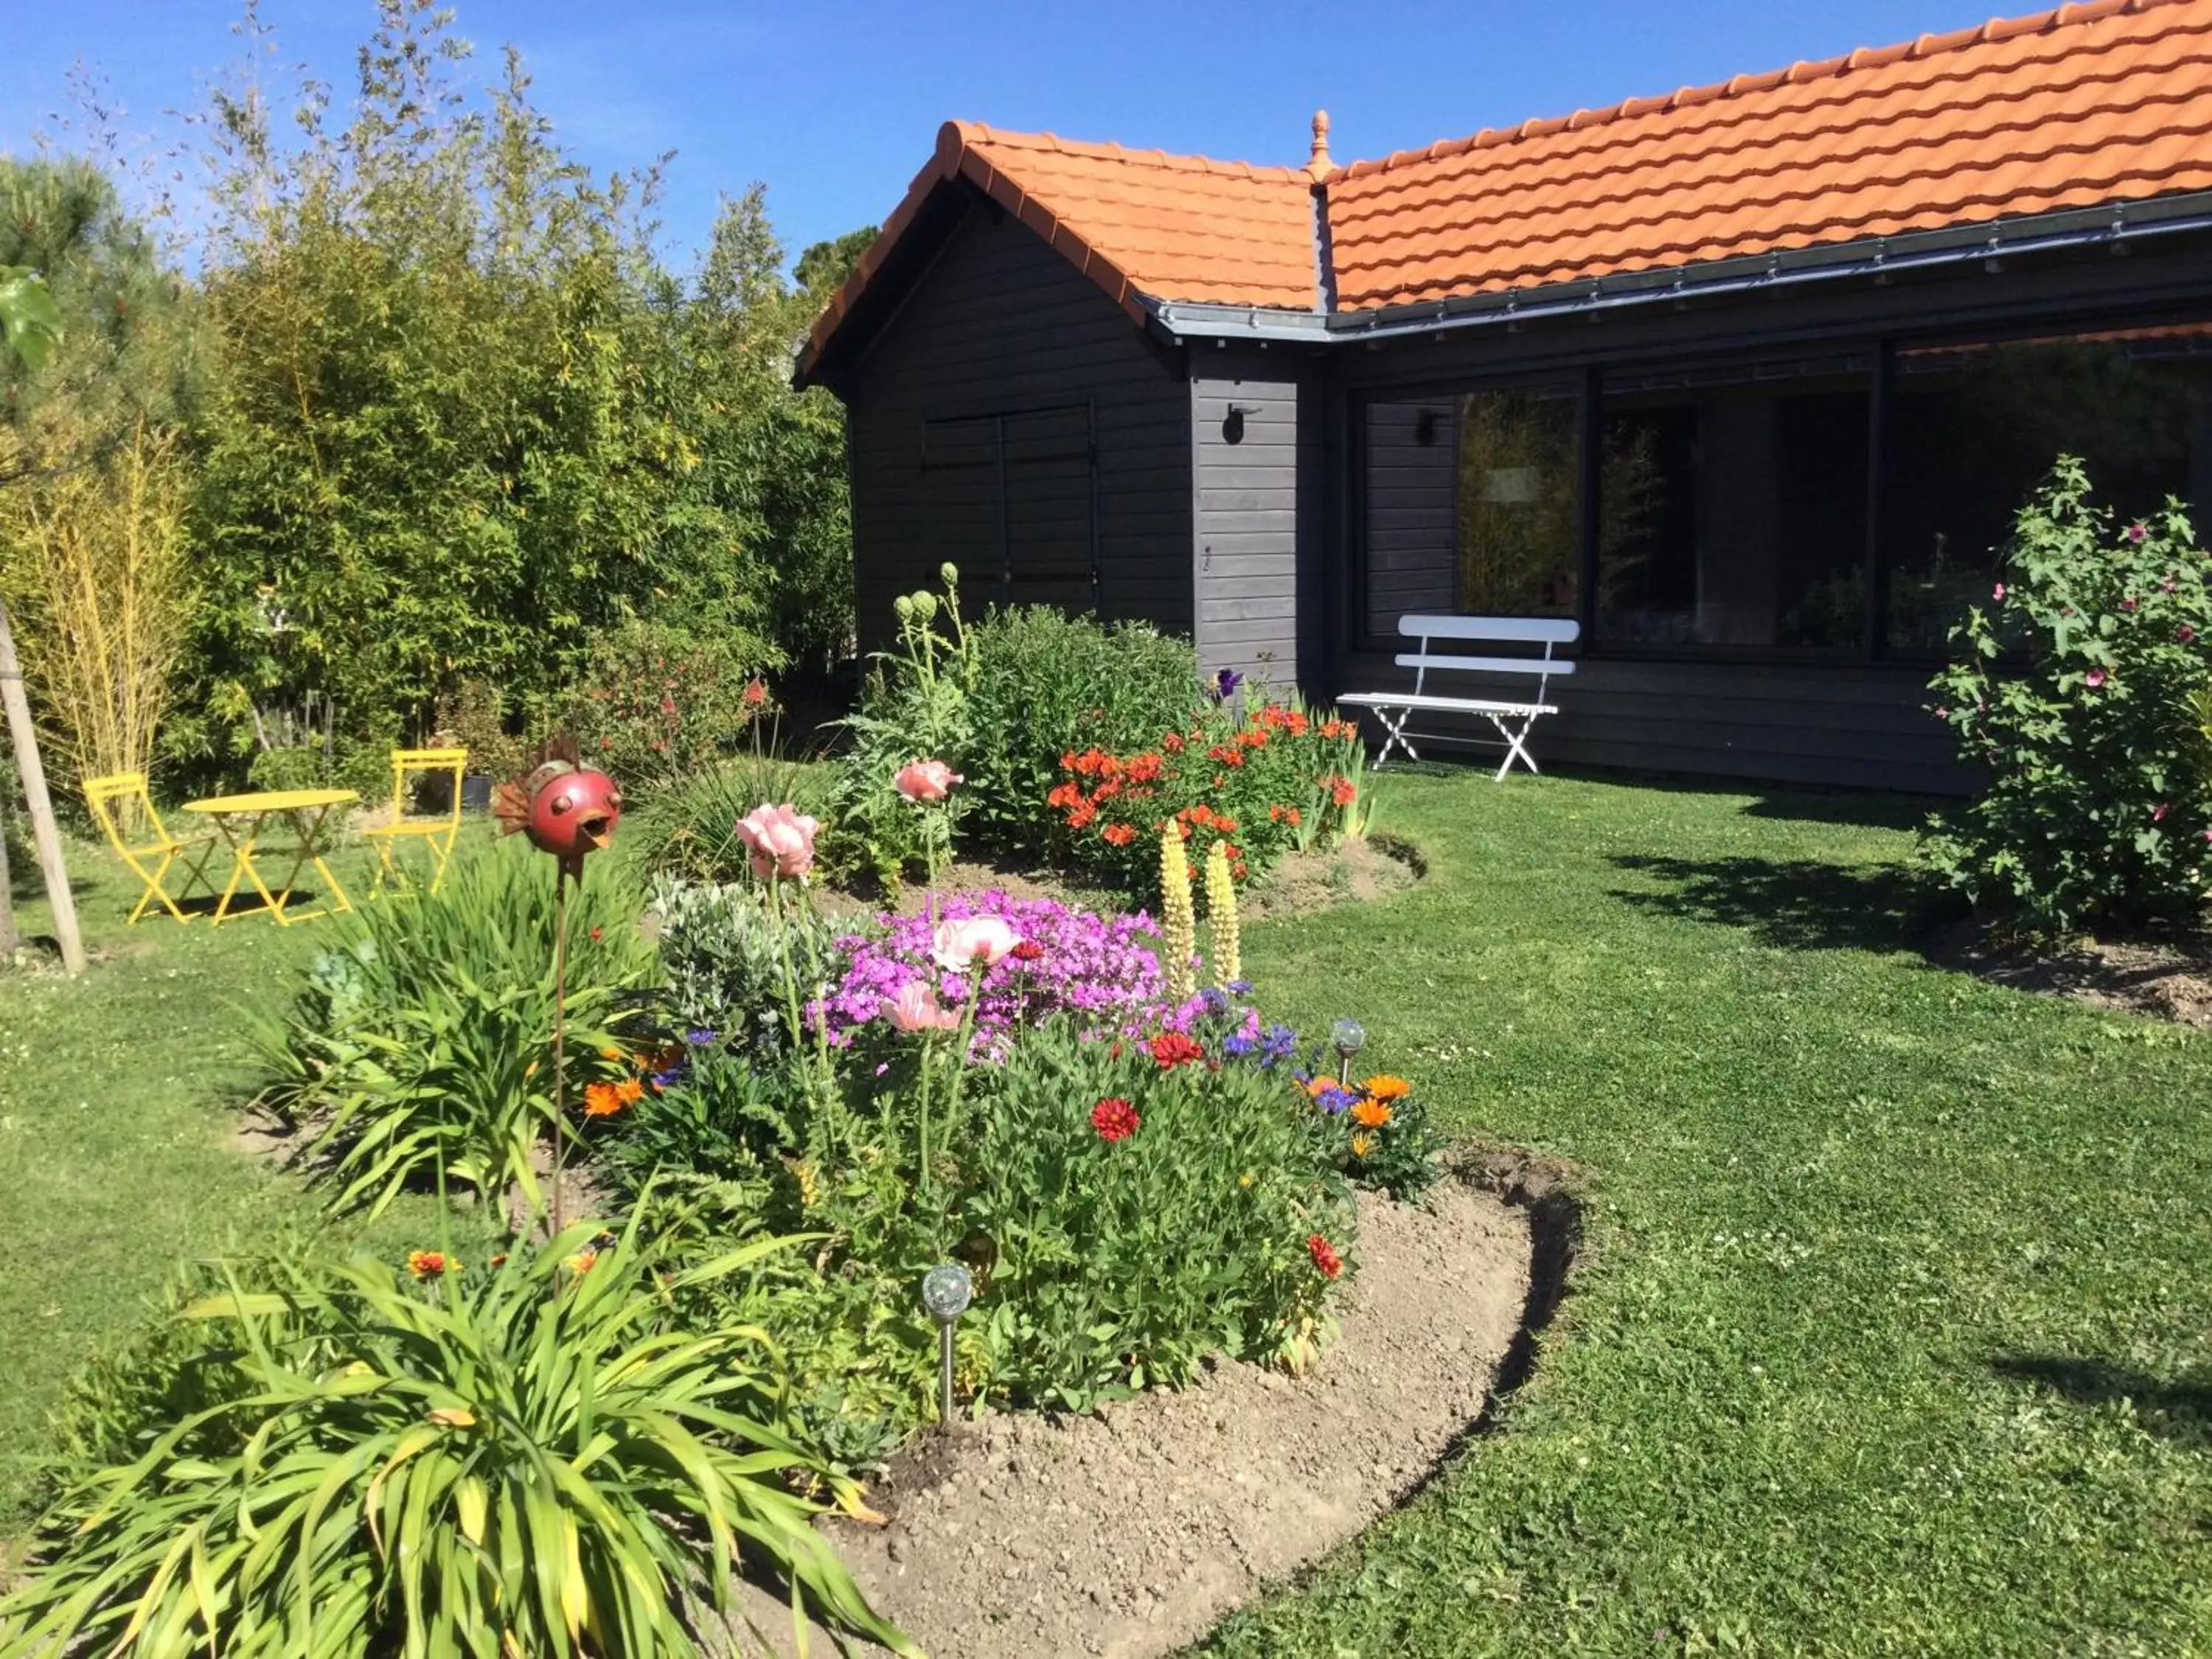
<point>915,1009</point>
<point>924,780</point>
<point>959,945</point>
<point>778,840</point>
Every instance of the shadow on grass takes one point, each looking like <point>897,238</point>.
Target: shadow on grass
<point>2180,1410</point>
<point>1795,903</point>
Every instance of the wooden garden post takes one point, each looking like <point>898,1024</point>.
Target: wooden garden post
<point>43,827</point>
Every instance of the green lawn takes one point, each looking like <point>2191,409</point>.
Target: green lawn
<point>118,1108</point>
<point>1895,1336</point>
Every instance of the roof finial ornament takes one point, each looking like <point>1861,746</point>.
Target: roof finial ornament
<point>1318,166</point>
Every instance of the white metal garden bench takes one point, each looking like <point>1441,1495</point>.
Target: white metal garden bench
<point>1511,718</point>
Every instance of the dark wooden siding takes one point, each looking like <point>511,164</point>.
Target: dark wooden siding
<point>999,325</point>
<point>1410,504</point>
<point>1246,509</point>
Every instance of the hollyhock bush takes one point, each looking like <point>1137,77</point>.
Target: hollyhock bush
<point>1084,963</point>
<point>2070,697</point>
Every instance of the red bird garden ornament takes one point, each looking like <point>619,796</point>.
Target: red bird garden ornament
<point>565,809</point>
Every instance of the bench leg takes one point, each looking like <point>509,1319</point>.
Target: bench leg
<point>1397,739</point>
<point>1517,744</point>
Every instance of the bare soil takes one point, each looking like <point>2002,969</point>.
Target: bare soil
<point>2168,979</point>
<point>1355,873</point>
<point>1133,1531</point>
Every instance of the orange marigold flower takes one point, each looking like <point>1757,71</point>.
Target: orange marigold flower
<point>629,1090</point>
<point>1385,1085</point>
<point>1119,835</point>
<point>431,1264</point>
<point>602,1100</point>
<point>1318,1086</point>
<point>581,1262</point>
<point>1370,1114</point>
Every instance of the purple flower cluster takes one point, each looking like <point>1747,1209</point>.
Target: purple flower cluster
<point>1084,962</point>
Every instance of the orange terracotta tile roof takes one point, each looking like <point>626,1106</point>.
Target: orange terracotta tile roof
<point>1137,222</point>
<point>2075,107</point>
<point>2090,104</point>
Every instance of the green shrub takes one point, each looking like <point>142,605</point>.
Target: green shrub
<point>656,704</point>
<point>1046,683</point>
<point>421,1043</point>
<point>1143,1212</point>
<point>723,956</point>
<point>534,1458</point>
<point>2070,696</point>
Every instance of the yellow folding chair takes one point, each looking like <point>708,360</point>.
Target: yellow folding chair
<point>438,834</point>
<point>125,810</point>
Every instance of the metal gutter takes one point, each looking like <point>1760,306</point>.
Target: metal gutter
<point>2116,226</point>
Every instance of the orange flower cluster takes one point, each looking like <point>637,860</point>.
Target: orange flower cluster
<point>1263,782</point>
<point>607,1098</point>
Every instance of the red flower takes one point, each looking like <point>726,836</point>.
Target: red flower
<point>1115,1119</point>
<point>1064,794</point>
<point>1324,1257</point>
<point>1119,835</point>
<point>1027,950</point>
<point>755,693</point>
<point>1341,792</point>
<point>1081,817</point>
<point>1173,1049</point>
<point>1172,743</point>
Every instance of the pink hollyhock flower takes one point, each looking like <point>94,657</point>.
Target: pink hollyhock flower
<point>925,780</point>
<point>2127,605</point>
<point>2094,678</point>
<point>2137,532</point>
<point>915,1009</point>
<point>778,840</point>
<point>2185,633</point>
<point>1997,592</point>
<point>959,945</point>
<point>2158,813</point>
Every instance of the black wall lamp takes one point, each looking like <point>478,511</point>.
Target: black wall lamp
<point>1232,424</point>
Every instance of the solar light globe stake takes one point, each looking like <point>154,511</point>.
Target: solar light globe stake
<point>1348,1035</point>
<point>947,1290</point>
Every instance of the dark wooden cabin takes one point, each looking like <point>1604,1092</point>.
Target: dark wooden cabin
<point>1748,379</point>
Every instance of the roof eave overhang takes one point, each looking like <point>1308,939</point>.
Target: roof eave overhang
<point>2115,224</point>
<point>957,159</point>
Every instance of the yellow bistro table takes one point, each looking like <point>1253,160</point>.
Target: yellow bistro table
<point>240,819</point>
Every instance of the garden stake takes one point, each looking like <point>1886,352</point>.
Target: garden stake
<point>567,810</point>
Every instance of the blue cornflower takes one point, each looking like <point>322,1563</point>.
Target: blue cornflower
<point>1278,1043</point>
<point>1237,1043</point>
<point>1242,988</point>
<point>670,1077</point>
<point>699,1036</point>
<point>1333,1100</point>
<point>1216,999</point>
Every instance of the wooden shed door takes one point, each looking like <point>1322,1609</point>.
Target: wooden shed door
<point>1009,498</point>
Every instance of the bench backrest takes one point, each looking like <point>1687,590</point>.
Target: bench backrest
<point>1550,632</point>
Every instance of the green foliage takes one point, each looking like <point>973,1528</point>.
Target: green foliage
<point>914,707</point>
<point>30,321</point>
<point>654,705</point>
<point>421,1046</point>
<point>1117,1263</point>
<point>2070,695</point>
<point>1046,683</point>
<point>723,953</point>
<point>545,1462</point>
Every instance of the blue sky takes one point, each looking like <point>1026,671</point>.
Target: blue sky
<point>835,106</point>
